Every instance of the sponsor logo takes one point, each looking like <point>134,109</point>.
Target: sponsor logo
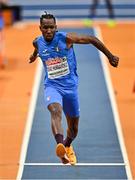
<point>48,98</point>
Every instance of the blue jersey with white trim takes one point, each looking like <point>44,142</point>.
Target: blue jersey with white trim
<point>59,62</point>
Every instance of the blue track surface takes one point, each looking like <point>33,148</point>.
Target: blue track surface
<point>97,141</point>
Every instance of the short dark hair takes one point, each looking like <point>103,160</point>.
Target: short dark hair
<point>47,16</point>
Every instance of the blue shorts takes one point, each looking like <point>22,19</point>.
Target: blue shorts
<point>68,99</point>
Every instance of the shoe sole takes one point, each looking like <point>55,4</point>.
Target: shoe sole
<point>72,162</point>
<point>60,150</point>
<point>61,153</point>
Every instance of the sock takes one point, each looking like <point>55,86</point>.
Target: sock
<point>68,141</point>
<point>59,138</point>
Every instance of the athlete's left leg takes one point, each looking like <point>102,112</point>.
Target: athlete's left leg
<point>53,101</point>
<point>72,112</point>
<point>72,131</point>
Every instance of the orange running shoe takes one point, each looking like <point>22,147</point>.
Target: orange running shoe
<point>61,153</point>
<point>71,155</point>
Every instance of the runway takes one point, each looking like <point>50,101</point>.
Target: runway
<point>99,146</point>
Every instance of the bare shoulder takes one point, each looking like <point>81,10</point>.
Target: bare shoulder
<point>78,38</point>
<point>71,34</point>
<point>74,37</point>
<point>71,37</point>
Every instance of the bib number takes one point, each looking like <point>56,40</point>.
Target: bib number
<point>57,67</point>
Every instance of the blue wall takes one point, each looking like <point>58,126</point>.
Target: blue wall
<point>31,10</point>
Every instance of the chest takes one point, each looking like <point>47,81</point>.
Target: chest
<point>52,50</point>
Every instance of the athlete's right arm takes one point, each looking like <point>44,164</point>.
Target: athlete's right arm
<point>34,55</point>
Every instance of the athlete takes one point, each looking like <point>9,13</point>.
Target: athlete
<point>56,52</point>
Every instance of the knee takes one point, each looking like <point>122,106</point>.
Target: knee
<point>55,110</point>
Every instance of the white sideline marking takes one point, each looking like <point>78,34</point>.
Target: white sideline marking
<point>77,164</point>
<point>30,118</point>
<point>114,107</point>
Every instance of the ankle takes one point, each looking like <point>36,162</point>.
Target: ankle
<point>68,141</point>
<point>59,138</point>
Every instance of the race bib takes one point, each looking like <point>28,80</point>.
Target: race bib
<point>57,67</point>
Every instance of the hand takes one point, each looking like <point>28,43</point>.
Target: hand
<point>114,60</point>
<point>32,58</point>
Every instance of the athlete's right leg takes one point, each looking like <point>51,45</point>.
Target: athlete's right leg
<point>56,118</point>
<point>53,101</point>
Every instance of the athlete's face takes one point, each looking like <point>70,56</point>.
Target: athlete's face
<point>48,29</point>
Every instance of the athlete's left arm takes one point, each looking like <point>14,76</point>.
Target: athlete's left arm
<point>87,39</point>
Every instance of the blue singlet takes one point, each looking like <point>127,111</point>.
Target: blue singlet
<point>59,62</point>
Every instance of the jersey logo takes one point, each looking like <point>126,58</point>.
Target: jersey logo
<point>57,49</point>
<point>45,53</point>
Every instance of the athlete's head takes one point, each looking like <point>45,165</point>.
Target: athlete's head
<point>48,26</point>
